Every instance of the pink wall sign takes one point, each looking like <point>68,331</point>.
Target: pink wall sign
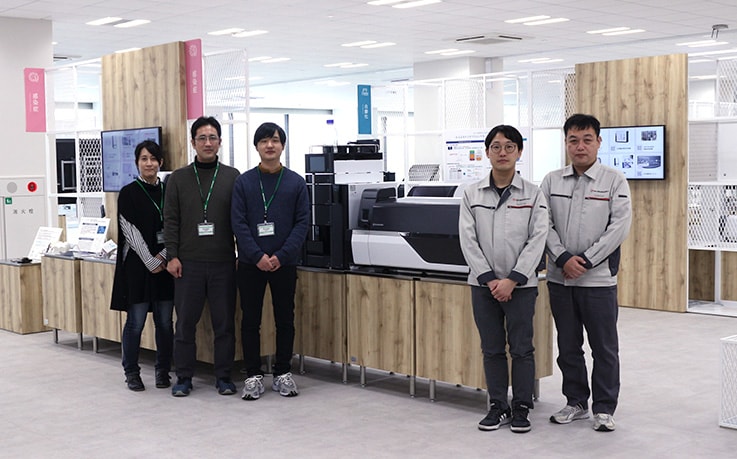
<point>35,99</point>
<point>195,79</point>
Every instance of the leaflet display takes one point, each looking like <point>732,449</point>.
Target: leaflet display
<point>118,155</point>
<point>637,151</point>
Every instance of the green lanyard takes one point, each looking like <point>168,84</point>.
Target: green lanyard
<point>263,195</point>
<point>206,201</point>
<point>159,207</point>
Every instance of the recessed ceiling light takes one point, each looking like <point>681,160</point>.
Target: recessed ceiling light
<point>235,78</point>
<point>274,60</point>
<point>103,21</point>
<point>702,43</point>
<point>249,33</point>
<point>624,32</point>
<point>527,19</point>
<point>352,66</point>
<point>259,58</point>
<point>339,64</point>
<point>229,31</point>
<point>378,45</point>
<point>441,51</point>
<point>54,43</point>
<point>613,29</point>
<point>699,61</point>
<point>383,2</point>
<point>359,43</point>
<point>712,53</point>
<point>416,3</point>
<point>255,78</point>
<point>133,23</point>
<point>458,52</point>
<point>546,21</point>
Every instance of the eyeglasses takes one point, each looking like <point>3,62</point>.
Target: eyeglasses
<point>205,138</point>
<point>508,147</point>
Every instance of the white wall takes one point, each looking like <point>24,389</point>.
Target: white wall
<point>23,43</point>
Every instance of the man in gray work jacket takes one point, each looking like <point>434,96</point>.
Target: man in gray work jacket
<point>590,216</point>
<point>502,227</point>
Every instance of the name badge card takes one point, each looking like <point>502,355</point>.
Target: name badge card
<point>159,237</point>
<point>265,229</point>
<point>205,229</point>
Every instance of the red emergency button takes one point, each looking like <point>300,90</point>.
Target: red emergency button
<point>32,186</point>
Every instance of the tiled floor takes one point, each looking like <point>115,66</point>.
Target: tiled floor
<point>57,401</point>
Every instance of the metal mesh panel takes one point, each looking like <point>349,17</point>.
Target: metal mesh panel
<point>551,99</point>
<point>728,413</point>
<point>712,216</point>
<point>90,163</point>
<point>424,172</point>
<point>464,104</point>
<point>89,206</point>
<point>702,152</point>
<point>726,88</point>
<point>226,82</point>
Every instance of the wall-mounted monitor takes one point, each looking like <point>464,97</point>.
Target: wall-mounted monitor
<point>637,151</point>
<point>118,155</point>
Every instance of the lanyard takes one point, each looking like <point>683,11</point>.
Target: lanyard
<point>263,195</point>
<point>205,201</point>
<point>160,206</point>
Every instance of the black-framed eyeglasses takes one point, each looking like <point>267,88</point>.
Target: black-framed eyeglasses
<point>508,147</point>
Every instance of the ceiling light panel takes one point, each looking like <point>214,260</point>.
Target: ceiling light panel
<point>546,21</point>
<point>133,23</point>
<point>103,21</point>
<point>415,4</point>
<point>526,19</point>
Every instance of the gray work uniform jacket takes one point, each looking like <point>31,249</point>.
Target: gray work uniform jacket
<point>590,216</point>
<point>503,236</point>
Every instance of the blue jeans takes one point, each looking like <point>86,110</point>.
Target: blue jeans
<point>162,312</point>
<point>505,323</point>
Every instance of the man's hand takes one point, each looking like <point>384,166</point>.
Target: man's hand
<point>174,267</point>
<point>275,263</point>
<point>574,267</point>
<point>502,289</point>
<point>264,264</point>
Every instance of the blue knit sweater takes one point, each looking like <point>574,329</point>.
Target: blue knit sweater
<point>289,211</point>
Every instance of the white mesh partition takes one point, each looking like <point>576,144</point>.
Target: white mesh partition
<point>226,98</point>
<point>712,216</point>
<point>728,383</point>
<point>551,102</point>
<point>702,151</point>
<point>465,104</point>
<point>726,89</point>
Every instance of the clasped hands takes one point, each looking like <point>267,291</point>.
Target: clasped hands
<point>268,263</point>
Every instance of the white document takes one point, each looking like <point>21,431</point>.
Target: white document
<point>92,234</point>
<point>45,236</point>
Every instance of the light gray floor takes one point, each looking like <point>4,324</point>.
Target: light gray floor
<point>57,401</point>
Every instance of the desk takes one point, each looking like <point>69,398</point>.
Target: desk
<point>21,297</point>
<point>62,296</point>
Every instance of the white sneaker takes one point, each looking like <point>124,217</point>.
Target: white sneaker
<point>285,385</point>
<point>569,414</point>
<point>254,388</point>
<point>604,422</point>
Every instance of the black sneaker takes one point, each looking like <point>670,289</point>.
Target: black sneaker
<point>225,386</point>
<point>134,383</point>
<point>163,380</point>
<point>182,388</point>
<point>496,417</point>
<point>520,421</point>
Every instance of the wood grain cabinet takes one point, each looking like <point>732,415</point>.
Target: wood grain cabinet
<point>448,343</point>
<point>96,281</point>
<point>320,315</point>
<point>381,322</point>
<point>62,294</point>
<point>21,297</point>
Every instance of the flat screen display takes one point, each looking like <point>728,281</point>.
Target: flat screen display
<point>118,155</point>
<point>637,151</point>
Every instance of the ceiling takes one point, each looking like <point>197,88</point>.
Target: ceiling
<point>310,32</point>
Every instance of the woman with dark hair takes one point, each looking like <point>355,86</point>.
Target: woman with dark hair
<point>142,284</point>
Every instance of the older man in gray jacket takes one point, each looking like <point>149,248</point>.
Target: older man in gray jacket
<point>590,216</point>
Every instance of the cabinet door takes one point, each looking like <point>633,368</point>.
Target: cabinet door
<point>381,323</point>
<point>321,315</point>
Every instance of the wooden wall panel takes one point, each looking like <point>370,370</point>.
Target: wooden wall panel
<point>147,88</point>
<point>649,90</point>
<point>701,275</point>
<point>729,268</point>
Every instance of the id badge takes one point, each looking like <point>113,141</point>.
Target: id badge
<point>205,229</point>
<point>265,229</point>
<point>159,237</point>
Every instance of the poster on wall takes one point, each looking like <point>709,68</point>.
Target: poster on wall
<point>464,158</point>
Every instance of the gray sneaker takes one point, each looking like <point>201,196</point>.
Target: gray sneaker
<point>569,414</point>
<point>604,422</point>
<point>254,388</point>
<point>285,385</point>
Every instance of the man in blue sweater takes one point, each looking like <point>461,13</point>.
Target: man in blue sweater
<point>270,215</point>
